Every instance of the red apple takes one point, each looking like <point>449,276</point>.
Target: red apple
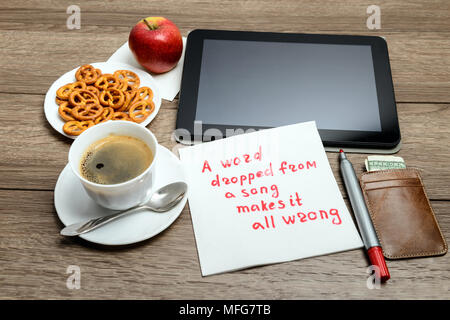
<point>156,44</point>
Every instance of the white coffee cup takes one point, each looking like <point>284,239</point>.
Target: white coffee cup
<point>123,195</point>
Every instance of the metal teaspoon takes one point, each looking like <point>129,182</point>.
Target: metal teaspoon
<point>161,200</point>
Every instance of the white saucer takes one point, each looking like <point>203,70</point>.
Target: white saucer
<point>74,205</point>
<point>51,108</point>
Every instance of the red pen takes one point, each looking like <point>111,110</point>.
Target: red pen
<point>362,216</point>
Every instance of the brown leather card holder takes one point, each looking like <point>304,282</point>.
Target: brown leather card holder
<point>401,214</point>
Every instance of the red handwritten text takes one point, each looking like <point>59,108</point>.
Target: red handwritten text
<point>246,158</point>
<point>258,225</point>
<point>313,215</point>
<point>261,190</point>
<point>286,168</point>
<point>243,178</point>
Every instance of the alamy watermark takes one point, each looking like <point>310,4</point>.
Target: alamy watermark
<point>74,20</point>
<point>374,279</point>
<point>199,135</point>
<point>74,279</point>
<point>374,20</point>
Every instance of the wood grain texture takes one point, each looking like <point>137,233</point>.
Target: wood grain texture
<point>36,48</point>
<point>34,258</point>
<point>267,15</point>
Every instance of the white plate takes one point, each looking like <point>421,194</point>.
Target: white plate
<point>74,205</point>
<point>51,108</point>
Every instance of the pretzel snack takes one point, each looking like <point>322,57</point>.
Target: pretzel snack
<point>95,98</point>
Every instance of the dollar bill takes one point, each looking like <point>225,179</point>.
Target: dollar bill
<point>375,163</point>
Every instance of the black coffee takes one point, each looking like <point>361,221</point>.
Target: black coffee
<point>115,159</point>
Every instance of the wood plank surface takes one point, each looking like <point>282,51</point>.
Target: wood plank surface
<point>36,257</point>
<point>36,48</point>
<point>264,15</point>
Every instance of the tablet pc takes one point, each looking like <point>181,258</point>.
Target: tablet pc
<point>235,82</point>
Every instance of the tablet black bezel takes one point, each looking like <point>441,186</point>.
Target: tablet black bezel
<point>388,138</point>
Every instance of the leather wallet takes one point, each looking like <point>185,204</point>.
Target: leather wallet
<point>401,214</point>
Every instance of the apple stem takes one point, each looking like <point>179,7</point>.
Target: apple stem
<point>150,26</point>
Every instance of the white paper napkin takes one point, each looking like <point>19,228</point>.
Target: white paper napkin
<point>265,197</point>
<point>168,83</point>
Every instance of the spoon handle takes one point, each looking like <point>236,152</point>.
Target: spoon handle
<point>86,226</point>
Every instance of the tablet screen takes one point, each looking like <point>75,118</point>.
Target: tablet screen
<point>270,84</point>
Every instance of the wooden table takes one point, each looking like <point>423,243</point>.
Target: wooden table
<point>36,48</point>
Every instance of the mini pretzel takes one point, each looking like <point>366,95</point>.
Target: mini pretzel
<point>131,78</point>
<point>59,101</point>
<point>64,92</point>
<point>65,112</point>
<point>129,95</point>
<point>112,97</point>
<point>143,93</point>
<point>106,81</point>
<point>74,128</point>
<point>123,85</point>
<point>107,114</point>
<point>87,73</point>
<point>79,85</point>
<point>82,97</point>
<point>140,110</point>
<point>126,87</point>
<point>121,116</point>
<point>87,112</point>
<point>93,90</point>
